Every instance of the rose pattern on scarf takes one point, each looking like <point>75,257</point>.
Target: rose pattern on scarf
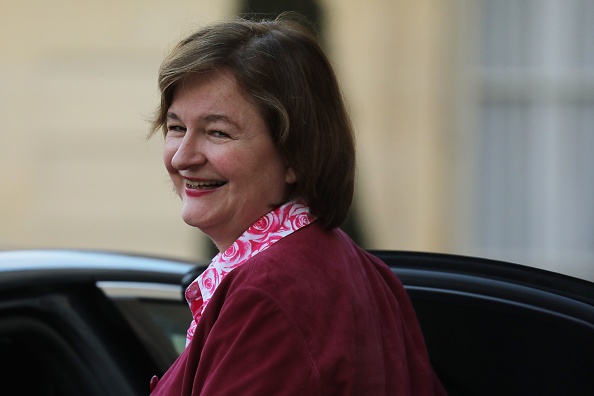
<point>266,231</point>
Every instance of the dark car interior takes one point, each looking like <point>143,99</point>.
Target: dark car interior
<point>38,361</point>
<point>494,328</point>
<point>74,342</point>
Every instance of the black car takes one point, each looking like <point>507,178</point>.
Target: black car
<point>95,323</point>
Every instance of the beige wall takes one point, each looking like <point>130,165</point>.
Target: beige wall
<point>393,60</point>
<point>77,82</point>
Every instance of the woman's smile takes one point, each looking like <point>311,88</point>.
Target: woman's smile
<point>203,185</point>
<point>199,188</point>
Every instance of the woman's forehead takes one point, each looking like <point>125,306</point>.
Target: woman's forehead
<point>218,87</point>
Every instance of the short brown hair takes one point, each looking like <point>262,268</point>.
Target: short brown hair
<point>283,69</point>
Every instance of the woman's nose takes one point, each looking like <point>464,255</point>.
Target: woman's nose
<point>189,153</point>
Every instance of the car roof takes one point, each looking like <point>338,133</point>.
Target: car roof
<point>43,267</point>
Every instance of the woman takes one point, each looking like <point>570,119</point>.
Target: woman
<point>260,149</point>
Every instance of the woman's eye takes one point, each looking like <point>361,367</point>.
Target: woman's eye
<point>175,128</point>
<point>219,134</point>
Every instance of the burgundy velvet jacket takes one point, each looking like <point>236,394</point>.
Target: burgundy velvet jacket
<point>312,315</point>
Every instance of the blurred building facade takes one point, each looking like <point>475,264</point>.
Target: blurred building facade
<point>474,122</point>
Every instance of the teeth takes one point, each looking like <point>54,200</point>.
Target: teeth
<point>197,184</point>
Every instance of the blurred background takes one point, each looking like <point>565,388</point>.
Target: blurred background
<point>474,122</point>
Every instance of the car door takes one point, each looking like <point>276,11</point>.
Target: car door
<point>495,328</point>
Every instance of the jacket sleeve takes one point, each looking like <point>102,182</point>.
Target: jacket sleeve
<point>255,348</point>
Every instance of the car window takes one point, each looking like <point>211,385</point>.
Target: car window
<point>173,318</point>
<point>156,312</point>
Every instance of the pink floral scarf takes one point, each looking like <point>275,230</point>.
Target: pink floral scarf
<point>270,228</point>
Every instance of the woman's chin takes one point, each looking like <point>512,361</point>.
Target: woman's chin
<point>193,219</point>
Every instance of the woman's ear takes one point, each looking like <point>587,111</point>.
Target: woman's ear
<point>290,176</point>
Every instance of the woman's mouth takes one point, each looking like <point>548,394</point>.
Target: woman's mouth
<point>203,185</point>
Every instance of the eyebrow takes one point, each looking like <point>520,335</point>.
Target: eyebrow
<point>219,117</point>
<point>172,116</point>
<point>208,118</point>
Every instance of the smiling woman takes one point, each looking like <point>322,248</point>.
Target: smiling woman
<point>261,152</point>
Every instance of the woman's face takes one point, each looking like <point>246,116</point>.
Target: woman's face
<point>221,158</point>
